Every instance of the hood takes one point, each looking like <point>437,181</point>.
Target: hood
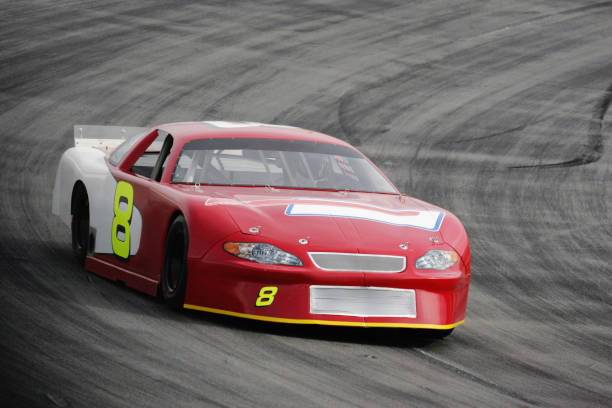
<point>334,221</point>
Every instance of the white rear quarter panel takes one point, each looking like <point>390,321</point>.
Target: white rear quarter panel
<point>89,166</point>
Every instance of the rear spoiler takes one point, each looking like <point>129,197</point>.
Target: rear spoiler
<point>104,138</point>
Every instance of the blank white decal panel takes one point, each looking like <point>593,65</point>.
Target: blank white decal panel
<point>236,125</point>
<point>427,220</point>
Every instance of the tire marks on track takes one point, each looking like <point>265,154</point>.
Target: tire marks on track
<point>594,147</point>
<point>444,95</point>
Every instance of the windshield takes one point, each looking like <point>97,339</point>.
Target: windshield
<point>278,163</point>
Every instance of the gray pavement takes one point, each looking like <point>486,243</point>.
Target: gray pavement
<point>493,110</point>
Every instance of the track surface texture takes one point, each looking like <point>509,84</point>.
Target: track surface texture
<point>494,110</point>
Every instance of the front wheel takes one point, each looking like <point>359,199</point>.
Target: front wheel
<point>438,334</point>
<point>174,271</point>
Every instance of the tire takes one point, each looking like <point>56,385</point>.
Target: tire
<point>174,269</point>
<point>80,223</point>
<point>438,334</point>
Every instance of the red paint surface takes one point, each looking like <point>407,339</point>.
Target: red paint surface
<point>216,214</point>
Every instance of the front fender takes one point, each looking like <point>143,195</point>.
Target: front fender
<point>454,234</point>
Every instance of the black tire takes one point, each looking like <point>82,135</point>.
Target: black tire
<point>174,270</point>
<point>80,223</point>
<point>438,334</point>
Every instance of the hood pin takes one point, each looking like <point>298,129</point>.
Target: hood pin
<point>254,230</point>
<point>303,241</point>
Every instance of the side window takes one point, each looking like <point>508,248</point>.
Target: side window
<point>147,164</point>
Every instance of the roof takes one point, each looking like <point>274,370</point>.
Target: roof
<point>186,131</point>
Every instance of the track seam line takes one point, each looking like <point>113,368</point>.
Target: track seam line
<point>449,366</point>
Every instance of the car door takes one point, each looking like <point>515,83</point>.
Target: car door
<point>138,230</point>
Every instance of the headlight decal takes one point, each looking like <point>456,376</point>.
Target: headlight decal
<point>437,259</point>
<point>261,253</point>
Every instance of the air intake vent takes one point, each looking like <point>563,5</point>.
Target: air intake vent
<point>334,261</point>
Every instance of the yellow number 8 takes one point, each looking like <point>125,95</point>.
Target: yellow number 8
<point>121,223</point>
<point>266,296</point>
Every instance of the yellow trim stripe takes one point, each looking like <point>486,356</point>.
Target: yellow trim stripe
<point>322,322</point>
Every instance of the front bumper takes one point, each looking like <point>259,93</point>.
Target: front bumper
<point>220,283</point>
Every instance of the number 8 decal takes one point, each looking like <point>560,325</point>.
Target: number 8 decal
<point>124,205</point>
<point>266,296</point>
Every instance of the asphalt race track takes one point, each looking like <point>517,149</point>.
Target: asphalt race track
<point>494,110</point>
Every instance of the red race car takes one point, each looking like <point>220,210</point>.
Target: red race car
<point>265,222</point>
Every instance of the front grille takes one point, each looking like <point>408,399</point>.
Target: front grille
<point>362,301</point>
<point>335,261</point>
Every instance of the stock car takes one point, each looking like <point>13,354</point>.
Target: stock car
<point>265,222</point>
